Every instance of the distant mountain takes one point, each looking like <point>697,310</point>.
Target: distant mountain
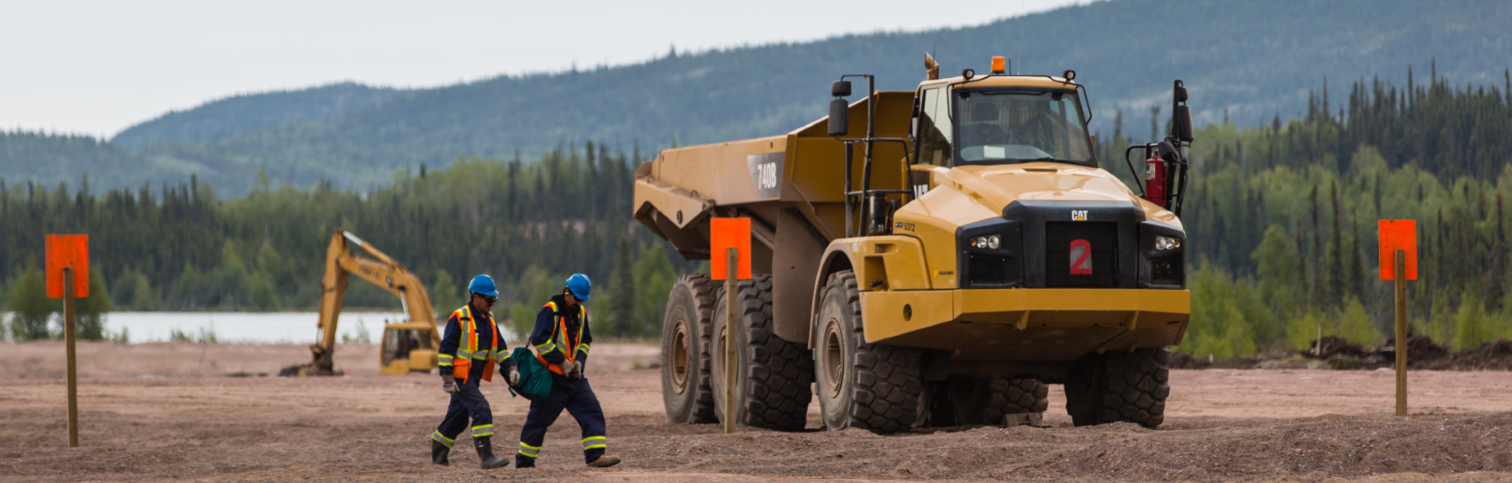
<point>1248,60</point>
<point>60,158</point>
<point>251,112</point>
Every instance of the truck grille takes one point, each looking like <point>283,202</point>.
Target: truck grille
<point>1101,238</point>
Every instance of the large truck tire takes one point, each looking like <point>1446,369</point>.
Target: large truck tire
<point>1120,386</point>
<point>1015,396</point>
<point>861,385</point>
<point>685,350</point>
<point>773,376</point>
<point>963,402</point>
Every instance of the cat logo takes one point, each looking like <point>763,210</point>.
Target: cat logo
<point>1078,215</point>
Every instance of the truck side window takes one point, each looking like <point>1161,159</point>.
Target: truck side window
<point>934,129</point>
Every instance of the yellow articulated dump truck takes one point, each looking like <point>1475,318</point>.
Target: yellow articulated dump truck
<point>935,265</point>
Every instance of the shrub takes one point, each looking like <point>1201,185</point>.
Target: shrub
<point>30,308</point>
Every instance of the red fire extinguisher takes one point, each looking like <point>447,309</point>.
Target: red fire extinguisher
<point>1155,180</point>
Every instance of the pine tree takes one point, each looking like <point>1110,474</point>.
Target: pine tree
<point>1335,278</point>
<point>624,298</point>
<point>1316,281</point>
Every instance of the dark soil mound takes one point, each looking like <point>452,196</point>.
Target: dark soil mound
<point>1331,347</point>
<point>1420,350</point>
<point>1496,356</point>
<point>1182,360</point>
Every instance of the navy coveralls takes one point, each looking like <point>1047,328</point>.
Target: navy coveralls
<point>574,395</point>
<point>469,402</point>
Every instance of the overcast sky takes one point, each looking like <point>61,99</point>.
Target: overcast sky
<point>98,66</point>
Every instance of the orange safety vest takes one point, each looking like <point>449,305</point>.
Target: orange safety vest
<point>558,340</point>
<point>467,346</point>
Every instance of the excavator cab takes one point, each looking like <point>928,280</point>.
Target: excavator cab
<point>406,348</point>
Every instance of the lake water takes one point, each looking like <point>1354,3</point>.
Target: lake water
<point>275,327</point>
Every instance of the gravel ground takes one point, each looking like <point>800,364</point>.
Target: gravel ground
<point>1221,425</point>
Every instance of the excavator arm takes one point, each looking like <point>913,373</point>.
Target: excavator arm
<point>380,270</point>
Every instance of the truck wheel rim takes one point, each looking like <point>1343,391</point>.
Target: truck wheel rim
<point>680,357</point>
<point>834,357</point>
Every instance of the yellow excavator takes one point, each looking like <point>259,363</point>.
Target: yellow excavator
<point>406,347</point>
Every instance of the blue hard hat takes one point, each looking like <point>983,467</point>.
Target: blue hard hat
<point>483,285</point>
<point>580,286</point>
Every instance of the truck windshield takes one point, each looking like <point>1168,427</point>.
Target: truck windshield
<point>1018,126</point>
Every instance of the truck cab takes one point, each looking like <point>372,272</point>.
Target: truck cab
<point>1001,120</point>
<point>1017,148</point>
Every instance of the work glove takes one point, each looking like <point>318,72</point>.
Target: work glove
<point>449,384</point>
<point>568,368</point>
<point>511,371</point>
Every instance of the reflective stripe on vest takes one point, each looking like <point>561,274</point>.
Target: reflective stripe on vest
<point>467,346</point>
<point>558,339</point>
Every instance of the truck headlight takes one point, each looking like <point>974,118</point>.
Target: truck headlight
<point>1167,243</point>
<point>990,242</point>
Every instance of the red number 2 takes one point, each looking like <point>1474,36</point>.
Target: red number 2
<point>1081,254</point>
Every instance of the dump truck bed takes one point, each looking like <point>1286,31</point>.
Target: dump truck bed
<point>760,178</point>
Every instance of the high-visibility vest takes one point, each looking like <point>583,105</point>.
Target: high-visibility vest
<point>467,346</point>
<point>559,340</point>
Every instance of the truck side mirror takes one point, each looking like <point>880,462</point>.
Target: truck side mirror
<point>1181,124</point>
<point>839,116</point>
<point>840,88</point>
<point>1181,115</point>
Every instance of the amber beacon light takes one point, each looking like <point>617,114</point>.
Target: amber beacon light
<point>997,64</point>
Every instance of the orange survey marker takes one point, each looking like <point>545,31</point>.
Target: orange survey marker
<point>723,234</point>
<point>67,251</point>
<point>1398,235</point>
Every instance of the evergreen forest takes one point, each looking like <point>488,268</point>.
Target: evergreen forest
<point>1250,58</point>
<point>1280,222</point>
<point>529,224</point>
<point>1283,217</point>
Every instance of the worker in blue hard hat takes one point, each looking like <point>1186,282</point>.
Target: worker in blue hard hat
<point>562,339</point>
<point>470,346</point>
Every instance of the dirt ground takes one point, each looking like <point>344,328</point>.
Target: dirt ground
<point>158,412</point>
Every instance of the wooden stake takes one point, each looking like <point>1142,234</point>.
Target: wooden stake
<point>732,299</point>
<point>1401,332</point>
<point>73,367</point>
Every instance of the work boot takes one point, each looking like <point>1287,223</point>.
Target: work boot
<point>486,456</point>
<point>604,461</point>
<point>439,452</point>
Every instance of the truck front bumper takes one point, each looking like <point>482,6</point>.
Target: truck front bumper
<point>1026,324</point>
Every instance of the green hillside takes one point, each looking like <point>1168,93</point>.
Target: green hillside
<point>1244,60</point>
<point>61,158</point>
<point>251,112</point>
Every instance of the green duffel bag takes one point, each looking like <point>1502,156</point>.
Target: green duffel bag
<point>535,378</point>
